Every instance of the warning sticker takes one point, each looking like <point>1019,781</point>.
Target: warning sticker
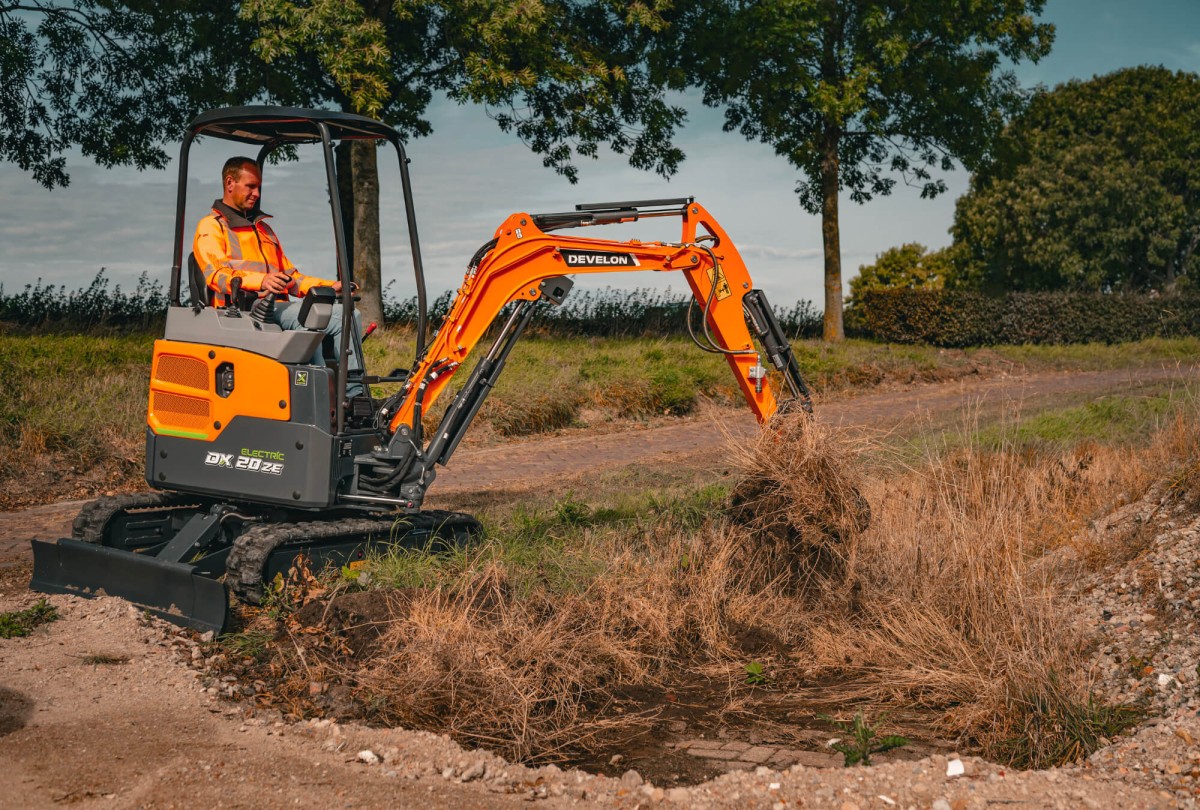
<point>723,290</point>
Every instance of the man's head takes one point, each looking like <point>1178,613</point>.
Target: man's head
<point>242,182</point>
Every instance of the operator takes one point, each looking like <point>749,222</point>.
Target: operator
<point>235,241</point>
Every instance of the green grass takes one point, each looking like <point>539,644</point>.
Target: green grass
<point>1113,420</point>
<point>1116,420</point>
<point>1152,351</point>
<point>19,623</point>
<point>79,401</point>
<point>545,545</point>
<point>254,644</point>
<point>72,392</point>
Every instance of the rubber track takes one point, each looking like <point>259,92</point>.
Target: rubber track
<point>247,559</point>
<point>94,517</point>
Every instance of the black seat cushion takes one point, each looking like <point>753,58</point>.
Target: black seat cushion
<point>201,294</point>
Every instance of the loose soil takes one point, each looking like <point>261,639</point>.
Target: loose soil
<point>149,729</point>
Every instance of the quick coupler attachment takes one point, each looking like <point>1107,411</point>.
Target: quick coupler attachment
<point>169,590</point>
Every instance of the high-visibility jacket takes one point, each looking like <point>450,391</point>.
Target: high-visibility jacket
<point>228,246</point>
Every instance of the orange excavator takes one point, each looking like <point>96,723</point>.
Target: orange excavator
<point>256,456</point>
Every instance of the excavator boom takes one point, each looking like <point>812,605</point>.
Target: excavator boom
<point>527,262</point>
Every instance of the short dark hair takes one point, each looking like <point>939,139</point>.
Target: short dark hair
<point>233,167</point>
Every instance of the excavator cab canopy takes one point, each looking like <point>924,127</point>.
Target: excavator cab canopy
<point>272,127</point>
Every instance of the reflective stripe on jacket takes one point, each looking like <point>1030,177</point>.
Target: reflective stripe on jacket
<point>228,246</point>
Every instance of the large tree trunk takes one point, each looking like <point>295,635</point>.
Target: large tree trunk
<point>367,270</point>
<point>834,329</point>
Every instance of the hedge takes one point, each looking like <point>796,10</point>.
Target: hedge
<point>956,319</point>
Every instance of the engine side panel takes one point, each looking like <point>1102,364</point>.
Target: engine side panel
<point>196,390</point>
<point>253,459</point>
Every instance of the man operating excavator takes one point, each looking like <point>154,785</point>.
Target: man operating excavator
<point>235,246</point>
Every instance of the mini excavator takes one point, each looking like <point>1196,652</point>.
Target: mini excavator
<point>255,456</point>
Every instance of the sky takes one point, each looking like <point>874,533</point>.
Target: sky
<point>468,177</point>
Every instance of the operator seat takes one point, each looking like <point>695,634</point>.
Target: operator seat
<point>202,294</point>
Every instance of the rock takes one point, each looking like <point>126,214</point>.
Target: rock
<point>474,772</point>
<point>941,804</point>
<point>367,757</point>
<point>678,795</point>
<point>631,779</point>
<point>615,759</point>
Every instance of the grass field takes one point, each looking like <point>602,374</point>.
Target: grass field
<point>76,404</point>
<point>951,602</point>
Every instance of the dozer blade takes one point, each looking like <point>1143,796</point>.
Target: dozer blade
<point>169,590</point>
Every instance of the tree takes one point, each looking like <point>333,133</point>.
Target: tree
<point>854,93</point>
<point>1096,187</point>
<point>117,79</point>
<point>563,94</point>
<point>909,266</point>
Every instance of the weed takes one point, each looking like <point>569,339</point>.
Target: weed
<point>285,594</point>
<point>1050,725</point>
<point>253,644</point>
<point>18,623</point>
<point>864,740</point>
<point>755,675</point>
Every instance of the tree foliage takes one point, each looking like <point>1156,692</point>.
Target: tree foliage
<point>117,78</point>
<point>1097,187</point>
<point>910,266</point>
<point>564,76</point>
<point>858,94</point>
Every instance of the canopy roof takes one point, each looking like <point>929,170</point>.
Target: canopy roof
<point>262,125</point>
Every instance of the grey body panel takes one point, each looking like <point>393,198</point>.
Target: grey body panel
<point>217,327</point>
<point>254,459</point>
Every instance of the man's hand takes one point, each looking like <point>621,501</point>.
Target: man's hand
<point>337,287</point>
<point>277,283</point>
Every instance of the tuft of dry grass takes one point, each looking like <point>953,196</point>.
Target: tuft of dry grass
<point>800,498</point>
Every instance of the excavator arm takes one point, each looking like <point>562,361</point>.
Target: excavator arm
<point>526,263</point>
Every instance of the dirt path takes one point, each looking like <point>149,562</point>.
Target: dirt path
<point>100,709</point>
<point>555,461</point>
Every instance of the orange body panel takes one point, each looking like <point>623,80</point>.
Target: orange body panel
<point>524,256</point>
<point>183,395</point>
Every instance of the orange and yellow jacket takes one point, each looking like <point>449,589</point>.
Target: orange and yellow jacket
<point>228,246</point>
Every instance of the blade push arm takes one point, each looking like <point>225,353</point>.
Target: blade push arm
<point>523,255</point>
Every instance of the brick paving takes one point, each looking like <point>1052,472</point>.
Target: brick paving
<point>541,461</point>
<point>737,755</point>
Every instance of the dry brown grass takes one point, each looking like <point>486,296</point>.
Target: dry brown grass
<point>533,673</point>
<point>951,601</point>
<point>962,585</point>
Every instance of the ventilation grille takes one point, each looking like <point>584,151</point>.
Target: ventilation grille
<point>176,411</point>
<point>182,371</point>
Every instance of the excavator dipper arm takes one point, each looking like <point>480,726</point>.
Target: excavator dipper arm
<point>525,263</point>
<point>523,255</point>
